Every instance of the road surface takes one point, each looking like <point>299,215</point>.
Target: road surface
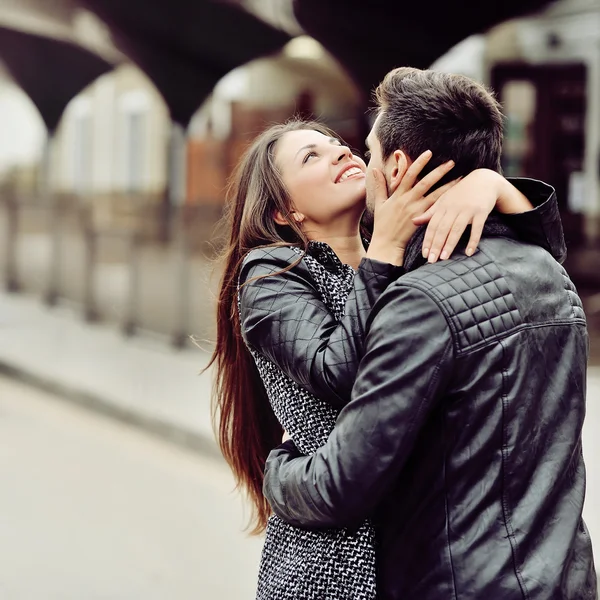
<point>91,509</point>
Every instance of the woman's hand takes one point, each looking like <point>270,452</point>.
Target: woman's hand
<point>468,203</point>
<point>393,225</point>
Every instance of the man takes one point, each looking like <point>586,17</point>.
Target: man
<point>463,436</point>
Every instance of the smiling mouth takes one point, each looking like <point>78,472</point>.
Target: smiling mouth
<point>352,172</point>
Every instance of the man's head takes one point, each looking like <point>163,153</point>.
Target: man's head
<point>451,115</point>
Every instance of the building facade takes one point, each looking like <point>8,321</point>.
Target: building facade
<point>546,71</point>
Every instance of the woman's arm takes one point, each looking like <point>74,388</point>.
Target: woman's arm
<point>284,318</point>
<point>528,206</point>
<point>542,225</point>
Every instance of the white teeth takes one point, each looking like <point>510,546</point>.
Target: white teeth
<point>349,173</point>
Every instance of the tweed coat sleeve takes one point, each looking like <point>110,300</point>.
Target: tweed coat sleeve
<point>542,225</point>
<point>283,317</point>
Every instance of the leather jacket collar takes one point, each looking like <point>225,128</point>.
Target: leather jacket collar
<point>494,227</point>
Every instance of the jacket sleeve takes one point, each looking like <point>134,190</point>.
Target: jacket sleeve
<point>406,369</point>
<point>284,318</point>
<point>542,225</point>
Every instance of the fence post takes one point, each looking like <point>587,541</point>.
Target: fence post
<point>90,240</point>
<point>131,322</point>
<point>52,202</point>
<point>11,274</point>
<point>181,329</point>
<point>52,291</point>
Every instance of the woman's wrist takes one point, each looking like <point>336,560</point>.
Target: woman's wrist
<point>386,253</point>
<point>510,200</point>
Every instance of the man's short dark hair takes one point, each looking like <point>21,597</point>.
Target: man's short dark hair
<point>451,115</point>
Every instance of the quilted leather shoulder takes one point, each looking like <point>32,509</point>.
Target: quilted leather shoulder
<point>506,285</point>
<point>473,295</point>
<point>275,258</point>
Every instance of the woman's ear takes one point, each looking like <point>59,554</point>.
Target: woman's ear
<point>400,164</point>
<point>281,220</point>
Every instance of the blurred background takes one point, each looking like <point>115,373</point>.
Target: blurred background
<point>120,123</point>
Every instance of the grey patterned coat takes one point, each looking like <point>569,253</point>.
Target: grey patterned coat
<point>321,325</point>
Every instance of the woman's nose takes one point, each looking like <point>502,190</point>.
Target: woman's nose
<point>341,153</point>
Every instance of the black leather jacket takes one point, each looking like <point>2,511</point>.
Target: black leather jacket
<point>462,438</point>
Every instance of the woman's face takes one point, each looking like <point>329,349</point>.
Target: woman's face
<point>323,178</point>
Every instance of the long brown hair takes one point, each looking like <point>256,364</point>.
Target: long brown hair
<point>244,422</point>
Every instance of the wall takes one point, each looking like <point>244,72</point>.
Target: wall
<point>113,137</point>
<point>23,132</point>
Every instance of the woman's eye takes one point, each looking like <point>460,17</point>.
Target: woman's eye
<point>368,155</point>
<point>309,154</point>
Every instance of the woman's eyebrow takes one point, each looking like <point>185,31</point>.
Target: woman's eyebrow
<point>307,147</point>
<point>332,140</point>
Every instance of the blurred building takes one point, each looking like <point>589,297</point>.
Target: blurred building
<point>97,239</point>
<point>546,71</point>
<point>122,236</point>
<point>303,80</point>
<point>113,137</point>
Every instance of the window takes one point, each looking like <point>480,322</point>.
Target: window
<point>135,110</point>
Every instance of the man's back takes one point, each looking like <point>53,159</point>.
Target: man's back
<point>489,504</point>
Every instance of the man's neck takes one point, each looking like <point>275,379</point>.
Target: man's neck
<point>413,257</point>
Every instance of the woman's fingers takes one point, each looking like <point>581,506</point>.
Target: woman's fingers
<point>426,216</point>
<point>434,221</point>
<point>476,232</point>
<point>444,233</point>
<point>440,232</point>
<point>422,187</point>
<point>453,236</point>
<point>434,197</point>
<point>413,172</point>
<point>439,192</point>
<point>377,187</point>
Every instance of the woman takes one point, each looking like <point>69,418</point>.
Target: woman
<point>295,241</point>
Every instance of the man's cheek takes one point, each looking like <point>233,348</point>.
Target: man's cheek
<point>370,187</point>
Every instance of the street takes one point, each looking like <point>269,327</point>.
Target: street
<point>93,509</point>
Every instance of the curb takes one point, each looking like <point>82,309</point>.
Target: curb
<point>180,436</point>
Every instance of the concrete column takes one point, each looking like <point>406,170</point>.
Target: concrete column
<point>182,271</point>
<point>90,240</point>
<point>11,239</point>
<point>177,165</point>
<point>177,198</point>
<point>50,201</point>
<point>131,322</point>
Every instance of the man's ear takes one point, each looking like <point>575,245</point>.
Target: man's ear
<point>399,166</point>
<point>281,220</point>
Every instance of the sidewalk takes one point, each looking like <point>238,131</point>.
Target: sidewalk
<point>148,384</point>
<point>137,380</point>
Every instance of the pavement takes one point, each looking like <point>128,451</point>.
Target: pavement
<point>93,509</point>
<point>147,383</point>
<point>139,380</point>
